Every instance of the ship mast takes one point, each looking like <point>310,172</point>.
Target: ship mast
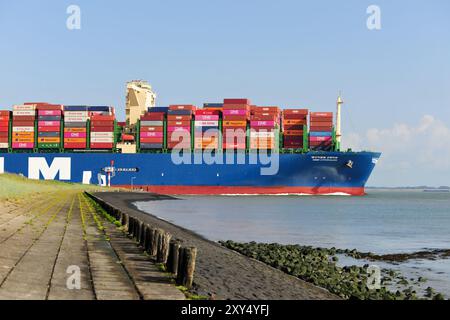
<point>339,103</point>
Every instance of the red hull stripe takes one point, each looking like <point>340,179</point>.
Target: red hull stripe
<point>217,190</point>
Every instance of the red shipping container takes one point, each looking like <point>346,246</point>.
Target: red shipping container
<point>179,145</point>
<point>296,111</point>
<point>102,129</point>
<point>178,123</point>
<point>153,117</point>
<point>152,129</point>
<point>209,112</point>
<point>321,128</point>
<point>320,123</point>
<point>95,145</point>
<point>293,132</point>
<point>179,118</point>
<point>4,118</point>
<point>98,123</point>
<point>236,107</point>
<point>265,109</point>
<point>48,129</point>
<point>24,118</point>
<point>237,101</point>
<point>4,129</point>
<point>74,145</point>
<point>102,118</point>
<point>235,118</point>
<point>295,117</point>
<point>49,107</point>
<point>292,127</point>
<point>23,123</point>
<point>5,113</point>
<point>152,140</point>
<point>4,123</point>
<point>3,134</point>
<point>293,139</point>
<point>321,114</point>
<point>182,107</point>
<point>263,118</point>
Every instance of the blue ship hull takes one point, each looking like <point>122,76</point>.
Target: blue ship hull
<point>310,173</point>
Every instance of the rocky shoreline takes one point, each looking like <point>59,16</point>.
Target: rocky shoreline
<point>222,273</point>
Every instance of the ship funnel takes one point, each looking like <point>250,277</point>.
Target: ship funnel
<point>339,103</point>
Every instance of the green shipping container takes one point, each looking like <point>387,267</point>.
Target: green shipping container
<point>49,145</point>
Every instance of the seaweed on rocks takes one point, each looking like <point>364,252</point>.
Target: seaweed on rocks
<point>319,266</point>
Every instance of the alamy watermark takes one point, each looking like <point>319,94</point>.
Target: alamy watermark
<point>73,21</point>
<point>374,20</point>
<point>263,149</point>
<point>374,277</point>
<point>74,280</point>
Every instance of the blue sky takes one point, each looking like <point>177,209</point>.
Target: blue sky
<point>289,53</point>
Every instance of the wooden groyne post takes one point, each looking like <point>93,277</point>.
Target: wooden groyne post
<point>178,259</point>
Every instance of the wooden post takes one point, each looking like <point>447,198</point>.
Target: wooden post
<point>142,234</point>
<point>172,259</point>
<point>149,243</point>
<point>137,230</point>
<point>145,240</point>
<point>155,240</point>
<point>186,266</point>
<point>163,247</point>
<point>125,221</point>
<point>131,226</point>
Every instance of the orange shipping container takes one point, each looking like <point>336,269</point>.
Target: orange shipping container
<point>49,140</point>
<point>22,139</point>
<point>77,130</point>
<point>75,140</point>
<point>293,133</point>
<point>235,123</point>
<point>23,134</point>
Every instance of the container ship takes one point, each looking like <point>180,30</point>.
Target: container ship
<point>227,148</point>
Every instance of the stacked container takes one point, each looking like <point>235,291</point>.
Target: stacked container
<point>207,129</point>
<point>24,117</point>
<point>294,122</point>
<point>236,113</point>
<point>321,131</point>
<point>49,126</point>
<point>102,131</point>
<point>264,127</point>
<point>75,127</point>
<point>179,126</point>
<point>100,111</point>
<point>4,129</point>
<point>151,132</point>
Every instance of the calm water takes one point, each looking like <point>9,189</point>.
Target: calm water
<point>381,222</point>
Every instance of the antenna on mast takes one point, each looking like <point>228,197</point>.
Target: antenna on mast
<point>339,103</point>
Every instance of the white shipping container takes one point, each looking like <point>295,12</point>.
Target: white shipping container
<point>76,114</point>
<point>206,123</point>
<point>23,107</point>
<point>102,140</point>
<point>269,134</point>
<point>24,113</point>
<point>4,145</point>
<point>102,134</point>
<point>23,129</point>
<point>75,119</point>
